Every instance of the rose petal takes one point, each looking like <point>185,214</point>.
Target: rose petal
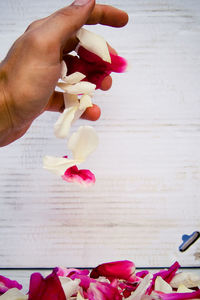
<point>176,296</point>
<point>167,275</point>
<point>183,289</point>
<point>48,288</point>
<point>63,124</point>
<point>162,286</point>
<point>63,72</point>
<point>70,287</point>
<point>83,142</point>
<point>119,269</point>
<point>190,280</point>
<point>94,43</point>
<point>6,284</point>
<point>85,102</point>
<point>65,272</point>
<point>102,291</point>
<point>83,177</point>
<point>58,165</point>
<point>13,294</point>
<point>74,78</point>
<point>70,100</point>
<point>82,87</point>
<point>141,289</point>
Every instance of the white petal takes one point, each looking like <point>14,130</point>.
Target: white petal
<point>183,289</point>
<point>63,70</point>
<point>85,102</point>
<point>162,286</point>
<point>190,280</point>
<point>63,124</point>
<point>83,142</point>
<point>69,286</point>
<point>141,289</point>
<point>58,165</point>
<point>83,87</point>
<point>74,78</point>
<point>79,297</point>
<point>13,294</point>
<point>70,100</point>
<point>94,43</point>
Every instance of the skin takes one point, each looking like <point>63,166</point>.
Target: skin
<point>31,69</point>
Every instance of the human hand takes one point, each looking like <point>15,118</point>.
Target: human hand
<point>31,69</point>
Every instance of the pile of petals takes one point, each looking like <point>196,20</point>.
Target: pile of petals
<point>80,75</point>
<point>109,281</point>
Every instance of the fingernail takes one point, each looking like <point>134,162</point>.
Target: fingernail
<point>80,2</point>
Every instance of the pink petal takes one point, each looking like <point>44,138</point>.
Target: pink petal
<point>167,275</point>
<point>6,284</point>
<point>93,67</point>
<point>176,296</point>
<point>103,291</point>
<point>64,272</point>
<point>142,274</point>
<point>48,288</point>
<point>120,269</point>
<point>85,280</point>
<point>73,174</point>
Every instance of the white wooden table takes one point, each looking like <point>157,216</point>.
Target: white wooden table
<point>148,162</point>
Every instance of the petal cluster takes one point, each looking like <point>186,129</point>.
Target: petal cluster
<point>80,76</point>
<point>109,281</point>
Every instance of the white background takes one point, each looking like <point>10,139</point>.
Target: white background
<point>147,164</point>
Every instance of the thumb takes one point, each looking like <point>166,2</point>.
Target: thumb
<point>66,21</point>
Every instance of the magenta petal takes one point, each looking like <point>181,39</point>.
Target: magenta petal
<point>142,274</point>
<point>64,272</point>
<point>48,288</point>
<point>124,269</point>
<point>177,296</point>
<point>6,284</point>
<point>73,174</point>
<point>103,291</point>
<point>167,275</point>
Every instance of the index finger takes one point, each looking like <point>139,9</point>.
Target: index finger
<point>107,15</point>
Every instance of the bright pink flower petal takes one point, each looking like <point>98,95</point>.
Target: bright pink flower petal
<point>124,269</point>
<point>142,274</point>
<point>48,288</point>
<point>73,174</point>
<point>6,284</point>
<point>167,275</point>
<point>176,296</point>
<point>84,280</point>
<point>103,291</point>
<point>93,67</point>
<point>64,272</point>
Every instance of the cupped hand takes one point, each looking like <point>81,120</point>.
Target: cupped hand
<point>31,69</point>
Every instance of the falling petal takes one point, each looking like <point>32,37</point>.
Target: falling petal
<point>74,78</point>
<point>83,142</point>
<point>63,124</point>
<point>13,294</point>
<point>6,284</point>
<point>162,286</point>
<point>190,280</point>
<point>82,87</point>
<point>85,102</point>
<point>58,165</point>
<point>63,72</point>
<point>94,43</point>
<point>70,100</point>
<point>119,269</point>
<point>83,177</point>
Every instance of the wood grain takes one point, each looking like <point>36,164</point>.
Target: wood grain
<point>148,162</point>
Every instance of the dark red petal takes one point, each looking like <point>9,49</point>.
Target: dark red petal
<point>73,174</point>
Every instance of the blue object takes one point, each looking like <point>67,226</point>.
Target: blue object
<point>189,240</point>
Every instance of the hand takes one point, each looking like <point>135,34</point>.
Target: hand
<point>31,69</point>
